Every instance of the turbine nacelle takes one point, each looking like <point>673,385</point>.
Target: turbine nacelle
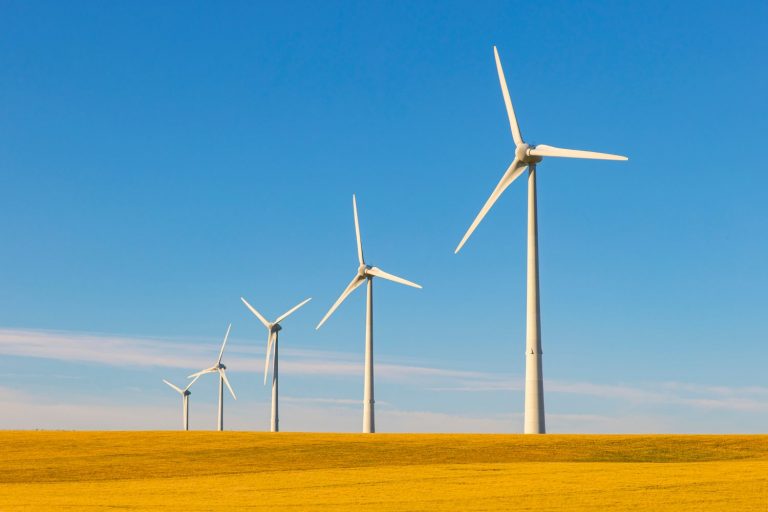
<point>363,270</point>
<point>523,154</point>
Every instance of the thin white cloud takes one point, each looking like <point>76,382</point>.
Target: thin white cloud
<point>746,398</point>
<point>147,352</point>
<point>122,351</point>
<point>103,349</point>
<point>691,395</point>
<point>334,401</point>
<point>298,414</point>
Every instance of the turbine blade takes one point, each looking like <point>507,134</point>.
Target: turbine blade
<point>203,372</point>
<point>507,101</point>
<point>513,171</point>
<point>226,381</point>
<point>174,387</point>
<point>375,271</point>
<point>357,232</point>
<point>290,311</point>
<point>190,384</point>
<point>258,315</point>
<point>544,150</point>
<point>270,341</point>
<point>221,353</point>
<point>356,281</point>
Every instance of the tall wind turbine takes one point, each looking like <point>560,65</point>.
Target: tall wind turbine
<point>184,401</point>
<point>222,371</point>
<point>365,273</point>
<point>272,329</point>
<point>529,156</point>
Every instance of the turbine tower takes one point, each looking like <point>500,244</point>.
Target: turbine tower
<point>365,273</point>
<point>272,329</point>
<point>221,370</point>
<point>184,401</point>
<point>529,156</point>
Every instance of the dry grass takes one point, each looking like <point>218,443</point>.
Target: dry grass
<point>194,471</point>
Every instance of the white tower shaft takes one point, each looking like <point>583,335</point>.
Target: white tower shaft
<point>534,385</point>
<point>368,412</point>
<point>185,409</point>
<point>274,424</point>
<point>220,425</point>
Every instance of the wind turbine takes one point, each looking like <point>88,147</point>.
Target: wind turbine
<point>221,370</point>
<point>529,156</point>
<point>184,401</point>
<point>272,329</point>
<point>365,273</point>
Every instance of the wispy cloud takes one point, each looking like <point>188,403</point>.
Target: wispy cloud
<point>103,349</point>
<point>122,351</point>
<point>355,402</point>
<point>134,352</point>
<point>30,411</point>
<point>745,398</point>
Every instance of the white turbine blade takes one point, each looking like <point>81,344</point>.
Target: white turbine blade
<point>193,381</point>
<point>357,281</point>
<point>203,372</point>
<point>174,387</point>
<point>226,381</point>
<point>270,342</point>
<point>375,271</point>
<point>290,311</point>
<point>357,232</point>
<point>507,101</point>
<point>258,315</point>
<point>544,150</point>
<point>513,171</point>
<point>221,353</point>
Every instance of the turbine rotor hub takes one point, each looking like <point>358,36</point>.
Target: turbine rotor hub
<point>362,270</point>
<point>522,153</point>
<point>275,328</point>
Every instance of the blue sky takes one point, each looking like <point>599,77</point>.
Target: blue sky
<point>159,160</point>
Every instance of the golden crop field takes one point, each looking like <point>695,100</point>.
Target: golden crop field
<point>230,471</point>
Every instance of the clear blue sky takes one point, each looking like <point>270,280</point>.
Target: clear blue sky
<point>159,160</point>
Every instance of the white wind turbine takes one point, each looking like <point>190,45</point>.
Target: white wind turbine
<point>221,370</point>
<point>272,329</point>
<point>365,273</point>
<point>184,401</point>
<point>529,156</point>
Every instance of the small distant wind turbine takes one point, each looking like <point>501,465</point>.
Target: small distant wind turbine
<point>529,156</point>
<point>184,401</point>
<point>221,370</point>
<point>272,329</point>
<point>365,273</point>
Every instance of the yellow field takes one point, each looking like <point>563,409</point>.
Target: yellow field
<point>232,471</point>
